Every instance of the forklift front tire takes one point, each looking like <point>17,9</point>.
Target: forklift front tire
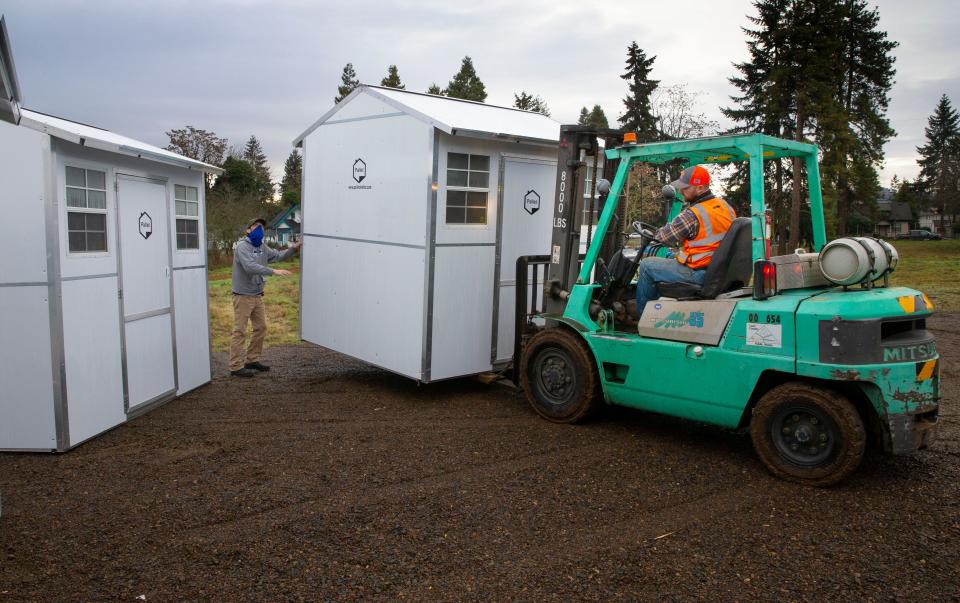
<point>559,376</point>
<point>808,434</point>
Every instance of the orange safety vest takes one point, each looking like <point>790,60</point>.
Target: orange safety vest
<point>715,216</point>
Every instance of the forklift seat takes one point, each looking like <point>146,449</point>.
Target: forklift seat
<point>730,267</point>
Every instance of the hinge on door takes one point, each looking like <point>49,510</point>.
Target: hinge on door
<point>116,186</point>
<point>119,293</point>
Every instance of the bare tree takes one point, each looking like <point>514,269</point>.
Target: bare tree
<point>198,144</point>
<point>678,115</point>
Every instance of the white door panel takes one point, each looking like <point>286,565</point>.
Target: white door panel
<point>525,229</point>
<point>149,359</point>
<point>144,245</point>
<point>146,274</point>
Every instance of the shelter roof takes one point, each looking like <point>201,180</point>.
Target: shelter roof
<point>457,117</point>
<point>9,85</point>
<point>105,140</point>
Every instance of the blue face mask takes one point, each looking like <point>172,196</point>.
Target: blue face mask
<point>256,236</point>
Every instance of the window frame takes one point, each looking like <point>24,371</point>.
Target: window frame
<point>467,189</point>
<point>177,216</point>
<point>71,209</point>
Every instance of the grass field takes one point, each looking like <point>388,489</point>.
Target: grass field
<point>930,266</point>
<point>282,300</point>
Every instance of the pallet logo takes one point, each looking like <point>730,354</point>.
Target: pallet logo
<point>359,170</point>
<point>359,175</point>
<point>531,202</point>
<point>146,225</point>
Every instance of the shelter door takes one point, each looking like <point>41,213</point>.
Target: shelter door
<point>525,216</point>
<point>145,282</point>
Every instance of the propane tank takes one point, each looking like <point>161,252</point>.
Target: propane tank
<point>853,260</point>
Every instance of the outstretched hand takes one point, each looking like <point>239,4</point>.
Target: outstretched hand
<point>279,272</point>
<point>297,244</point>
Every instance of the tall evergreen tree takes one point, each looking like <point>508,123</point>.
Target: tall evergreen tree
<point>435,89</point>
<point>863,77</point>
<point>240,177</point>
<point>819,69</point>
<point>528,102</point>
<point>598,118</point>
<point>292,177</point>
<point>253,154</point>
<point>348,83</point>
<point>638,116</point>
<point>584,116</point>
<point>763,106</point>
<point>466,84</point>
<point>940,159</point>
<point>393,79</point>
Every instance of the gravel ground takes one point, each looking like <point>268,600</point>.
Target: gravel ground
<point>328,479</point>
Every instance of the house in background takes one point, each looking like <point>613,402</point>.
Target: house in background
<point>284,227</point>
<point>893,217</point>
<point>931,219</point>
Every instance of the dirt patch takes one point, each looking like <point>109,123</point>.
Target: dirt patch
<point>329,479</point>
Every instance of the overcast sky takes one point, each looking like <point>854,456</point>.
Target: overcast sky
<point>241,67</point>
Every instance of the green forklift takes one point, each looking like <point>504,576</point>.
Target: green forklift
<point>812,351</point>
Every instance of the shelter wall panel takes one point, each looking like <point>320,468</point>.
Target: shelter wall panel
<point>365,300</point>
<point>91,332</point>
<point>26,398</point>
<point>22,154</point>
<point>462,310</point>
<point>389,202</point>
<point>192,328</point>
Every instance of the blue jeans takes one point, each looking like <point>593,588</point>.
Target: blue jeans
<point>662,270</point>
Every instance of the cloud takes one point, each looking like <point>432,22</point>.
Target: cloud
<point>241,67</point>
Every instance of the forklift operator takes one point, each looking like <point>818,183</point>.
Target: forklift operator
<point>696,233</point>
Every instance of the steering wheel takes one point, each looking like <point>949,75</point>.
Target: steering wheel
<point>647,230</point>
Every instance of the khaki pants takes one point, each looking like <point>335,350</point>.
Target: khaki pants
<point>247,307</point>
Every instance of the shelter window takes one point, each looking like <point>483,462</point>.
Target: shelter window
<point>468,186</point>
<point>86,210</point>
<point>188,216</point>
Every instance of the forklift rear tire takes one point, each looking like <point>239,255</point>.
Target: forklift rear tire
<point>808,434</point>
<point>559,376</point>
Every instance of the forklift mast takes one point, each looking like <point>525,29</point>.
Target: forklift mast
<point>579,148</point>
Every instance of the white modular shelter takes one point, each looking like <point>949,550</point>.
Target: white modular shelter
<point>415,208</point>
<point>103,295</point>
